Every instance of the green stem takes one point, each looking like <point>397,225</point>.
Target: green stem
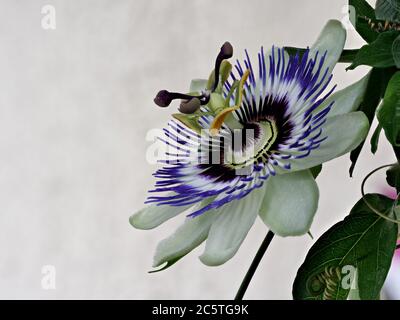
<point>347,55</point>
<point>253,267</point>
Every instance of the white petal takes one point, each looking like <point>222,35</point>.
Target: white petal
<point>228,231</point>
<point>331,40</point>
<point>187,237</point>
<point>152,216</point>
<point>347,99</point>
<point>345,132</point>
<point>290,203</point>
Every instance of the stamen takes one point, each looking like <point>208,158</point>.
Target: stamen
<point>226,52</point>
<point>190,106</point>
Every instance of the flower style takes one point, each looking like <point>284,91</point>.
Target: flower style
<point>287,121</point>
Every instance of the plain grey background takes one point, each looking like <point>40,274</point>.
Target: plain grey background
<point>75,107</point>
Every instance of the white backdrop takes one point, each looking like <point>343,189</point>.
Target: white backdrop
<point>75,106</point>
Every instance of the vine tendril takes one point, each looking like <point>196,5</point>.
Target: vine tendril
<point>381,214</point>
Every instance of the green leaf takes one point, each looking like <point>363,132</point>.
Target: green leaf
<point>375,139</point>
<point>363,8</point>
<point>360,247</point>
<point>315,171</point>
<point>396,51</point>
<point>348,55</point>
<point>375,90</point>
<point>389,112</point>
<point>393,177</point>
<point>378,54</point>
<point>388,10</point>
<point>363,11</point>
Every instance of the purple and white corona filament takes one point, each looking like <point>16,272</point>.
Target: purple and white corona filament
<point>243,143</point>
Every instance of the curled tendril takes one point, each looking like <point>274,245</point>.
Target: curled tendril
<point>325,283</point>
<point>381,214</point>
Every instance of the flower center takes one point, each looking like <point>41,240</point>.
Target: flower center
<point>256,141</point>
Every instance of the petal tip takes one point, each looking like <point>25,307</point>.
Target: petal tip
<point>157,261</point>
<point>332,39</point>
<point>136,221</point>
<point>334,23</point>
<point>213,259</point>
